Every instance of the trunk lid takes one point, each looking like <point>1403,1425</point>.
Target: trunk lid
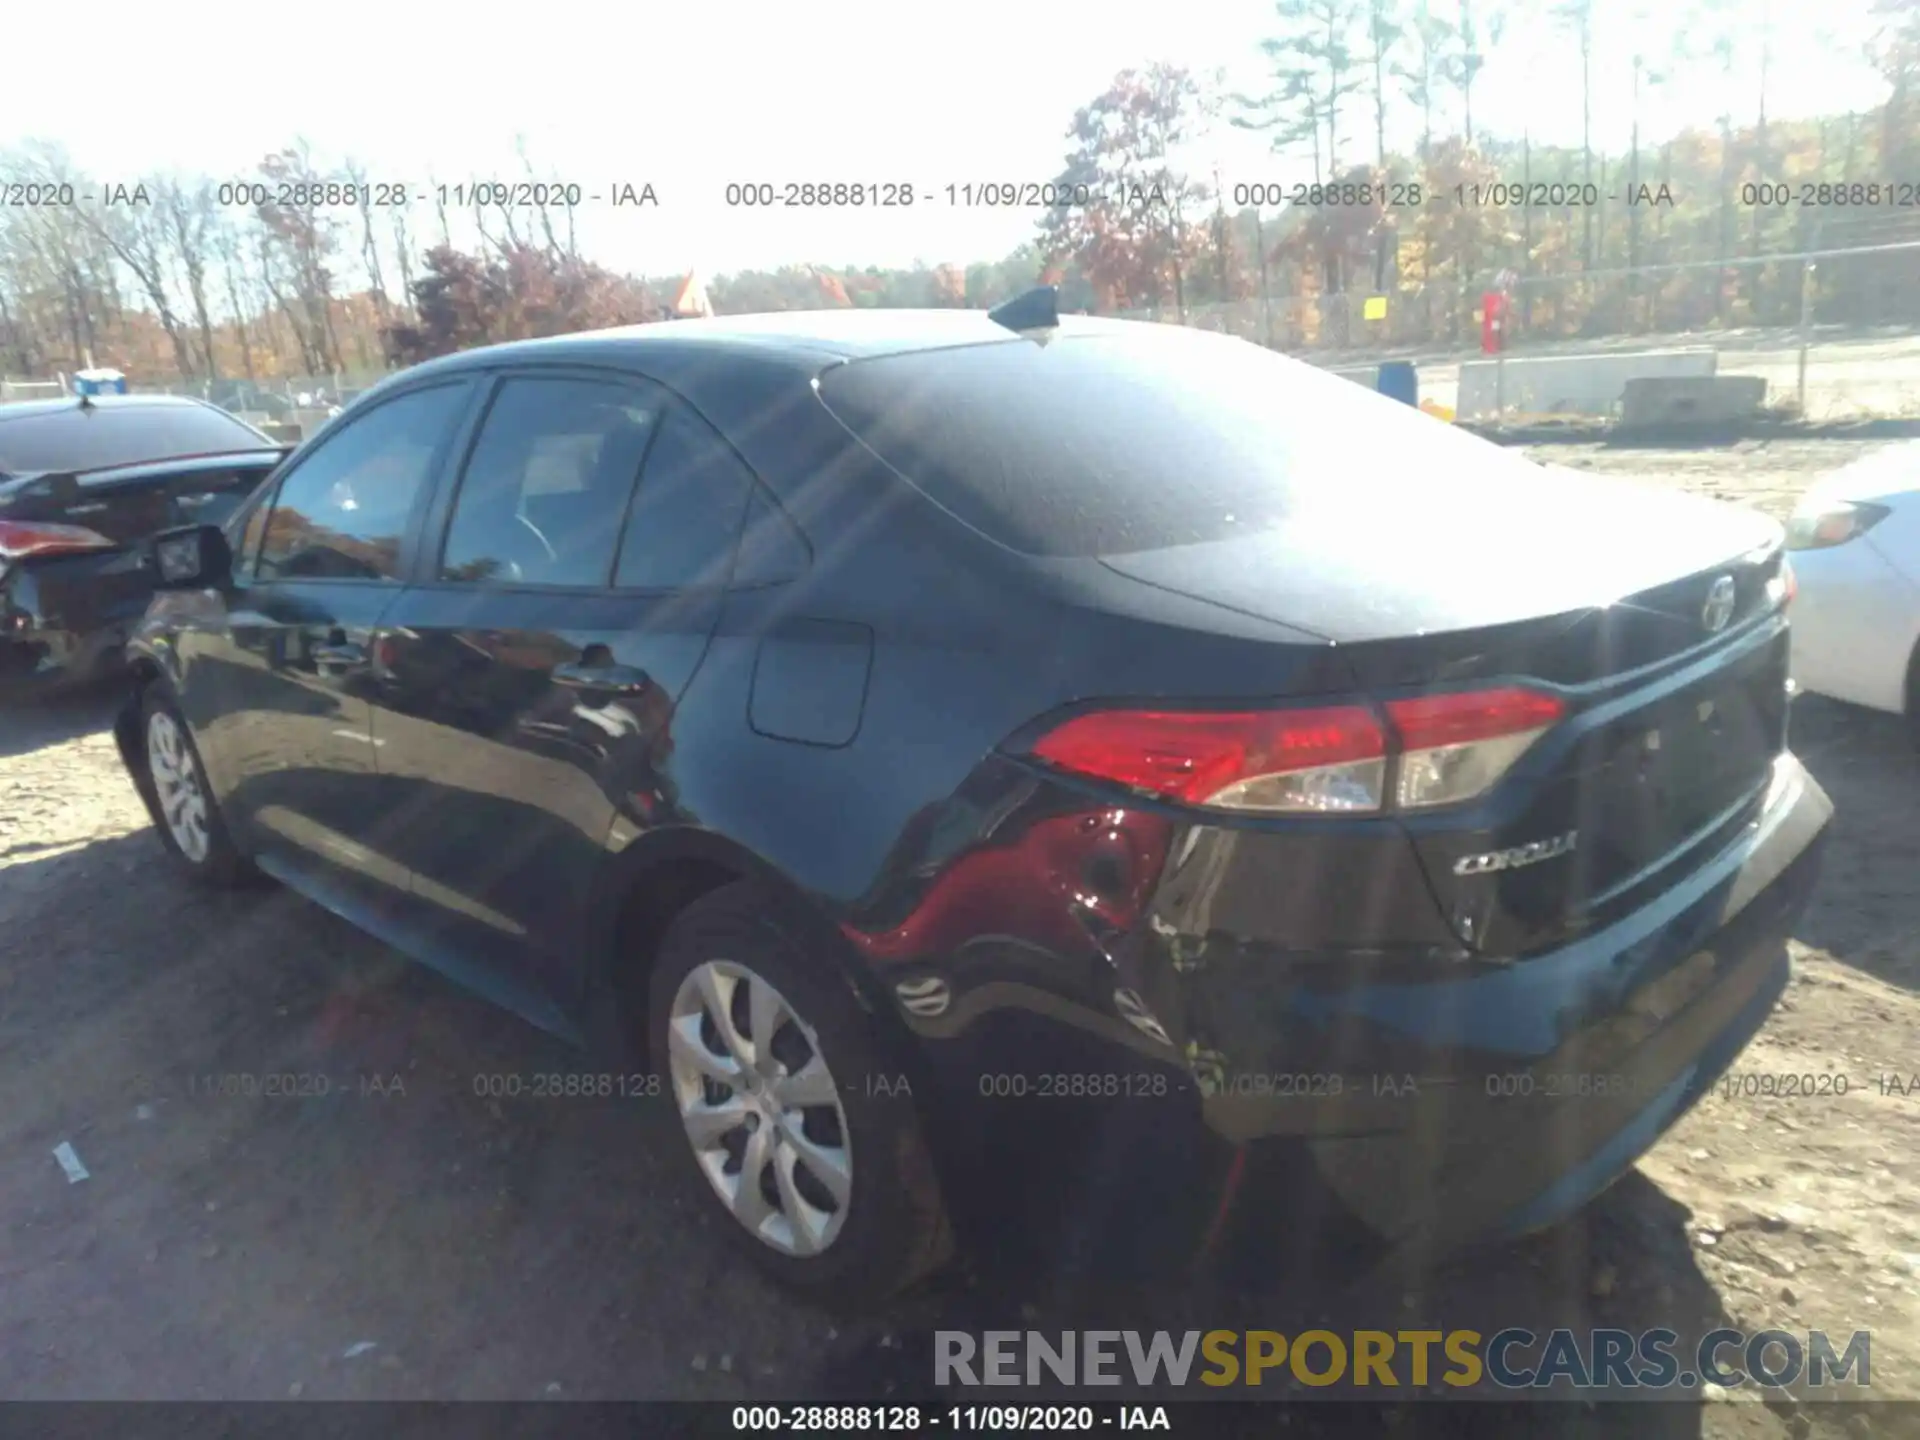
<point>1504,568</point>
<point>1616,596</point>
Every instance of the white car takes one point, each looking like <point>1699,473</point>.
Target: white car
<point>1855,538</point>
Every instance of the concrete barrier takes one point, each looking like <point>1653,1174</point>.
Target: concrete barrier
<point>1569,384</point>
<point>1691,400</point>
<point>309,420</point>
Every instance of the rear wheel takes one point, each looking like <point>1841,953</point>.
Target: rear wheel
<point>188,817</point>
<point>767,1058</point>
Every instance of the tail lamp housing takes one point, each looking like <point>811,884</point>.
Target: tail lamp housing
<point>1348,759</point>
<point>20,539</point>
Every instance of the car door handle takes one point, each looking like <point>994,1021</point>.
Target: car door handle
<point>340,656</point>
<point>615,679</point>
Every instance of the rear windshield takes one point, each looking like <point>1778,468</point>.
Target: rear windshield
<point>110,435</point>
<point>1104,445</point>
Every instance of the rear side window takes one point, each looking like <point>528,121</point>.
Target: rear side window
<point>686,515</point>
<point>548,482</point>
<point>108,435</point>
<point>1107,444</point>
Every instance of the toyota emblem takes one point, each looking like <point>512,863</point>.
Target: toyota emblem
<point>1718,609</point>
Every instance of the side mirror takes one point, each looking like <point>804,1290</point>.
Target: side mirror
<point>191,558</point>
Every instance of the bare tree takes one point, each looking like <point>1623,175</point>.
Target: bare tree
<point>363,195</point>
<point>227,245</point>
<point>403,248</point>
<point>541,198</point>
<point>187,213</point>
<point>306,233</point>
<point>141,238</point>
<point>1577,16</point>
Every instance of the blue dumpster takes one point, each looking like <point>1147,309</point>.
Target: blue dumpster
<point>1397,381</point>
<point>99,382</point>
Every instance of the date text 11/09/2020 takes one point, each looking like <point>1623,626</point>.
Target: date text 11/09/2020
<point>988,1419</point>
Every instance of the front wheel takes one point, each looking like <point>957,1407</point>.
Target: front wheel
<point>185,811</point>
<point>769,1062</point>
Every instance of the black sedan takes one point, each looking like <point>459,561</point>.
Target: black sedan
<point>82,483</point>
<point>898,727</point>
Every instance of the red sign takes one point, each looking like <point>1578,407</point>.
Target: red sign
<point>1493,321</point>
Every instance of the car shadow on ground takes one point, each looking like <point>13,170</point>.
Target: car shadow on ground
<point>31,723</point>
<point>1625,1263</point>
<point>299,1141</point>
<point>1862,912</point>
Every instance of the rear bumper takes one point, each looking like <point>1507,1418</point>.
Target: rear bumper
<point>1514,1097</point>
<point>65,622</point>
<point>1438,1097</point>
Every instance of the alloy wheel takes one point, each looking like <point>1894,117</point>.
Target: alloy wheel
<point>760,1107</point>
<point>177,785</point>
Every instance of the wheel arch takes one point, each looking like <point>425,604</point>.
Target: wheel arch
<point>640,892</point>
<point>143,671</point>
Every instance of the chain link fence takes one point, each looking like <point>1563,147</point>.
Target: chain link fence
<point>1833,332</point>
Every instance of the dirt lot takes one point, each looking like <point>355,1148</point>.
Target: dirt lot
<point>402,1237</point>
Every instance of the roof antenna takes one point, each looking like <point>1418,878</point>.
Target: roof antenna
<point>1034,315</point>
<point>86,401</point>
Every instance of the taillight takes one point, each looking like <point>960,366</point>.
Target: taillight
<point>1326,760</point>
<point>1456,746</point>
<point>1820,524</point>
<point>1331,759</point>
<point>21,538</point>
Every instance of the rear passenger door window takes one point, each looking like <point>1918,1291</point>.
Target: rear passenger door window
<point>343,511</point>
<point>548,482</point>
<point>686,515</point>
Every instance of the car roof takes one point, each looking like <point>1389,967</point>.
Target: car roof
<point>23,409</point>
<point>800,335</point>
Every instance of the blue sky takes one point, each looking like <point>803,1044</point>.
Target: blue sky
<point>852,90</point>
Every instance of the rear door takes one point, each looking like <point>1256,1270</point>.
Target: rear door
<point>280,697</point>
<point>528,684</point>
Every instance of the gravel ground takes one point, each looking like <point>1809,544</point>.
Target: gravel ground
<point>403,1237</point>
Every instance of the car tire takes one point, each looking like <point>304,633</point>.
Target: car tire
<point>1913,697</point>
<point>848,1208</point>
<point>186,816</point>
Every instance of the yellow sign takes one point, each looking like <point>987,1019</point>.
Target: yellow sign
<point>1375,308</point>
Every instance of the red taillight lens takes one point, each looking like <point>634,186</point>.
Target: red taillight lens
<point>1324,760</point>
<point>1331,759</point>
<point>1456,746</point>
<point>21,538</point>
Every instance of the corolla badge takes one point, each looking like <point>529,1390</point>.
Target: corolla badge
<point>1518,856</point>
<point>1718,608</point>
